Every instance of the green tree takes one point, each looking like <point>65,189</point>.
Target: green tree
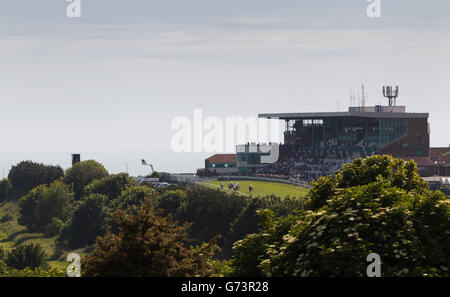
<point>5,189</point>
<point>132,196</point>
<point>170,201</point>
<point>88,222</point>
<point>83,173</point>
<point>32,256</point>
<point>111,186</point>
<point>43,203</point>
<point>249,254</point>
<point>27,174</point>
<point>27,207</point>
<point>54,227</point>
<point>211,213</point>
<point>147,244</point>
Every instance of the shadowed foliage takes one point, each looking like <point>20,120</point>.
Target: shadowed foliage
<point>27,174</point>
<point>147,244</point>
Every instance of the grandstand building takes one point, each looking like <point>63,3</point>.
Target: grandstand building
<point>318,143</point>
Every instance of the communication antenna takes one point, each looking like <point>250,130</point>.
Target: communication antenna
<point>359,99</point>
<point>391,93</point>
<point>363,97</point>
<point>351,99</point>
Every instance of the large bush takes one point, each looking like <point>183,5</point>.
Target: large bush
<point>374,205</point>
<point>31,256</point>
<point>148,245</point>
<point>27,174</point>
<point>43,203</point>
<point>83,173</point>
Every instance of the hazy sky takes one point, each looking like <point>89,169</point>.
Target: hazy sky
<point>107,85</point>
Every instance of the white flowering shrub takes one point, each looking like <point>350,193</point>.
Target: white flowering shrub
<point>389,212</point>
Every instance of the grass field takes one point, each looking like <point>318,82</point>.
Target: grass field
<point>264,188</point>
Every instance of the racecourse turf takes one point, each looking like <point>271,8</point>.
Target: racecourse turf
<point>265,188</point>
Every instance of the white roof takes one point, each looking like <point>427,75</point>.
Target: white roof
<point>441,179</point>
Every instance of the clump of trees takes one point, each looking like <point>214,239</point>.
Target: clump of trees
<point>148,245</point>
<point>27,174</point>
<point>373,205</point>
<point>211,213</point>
<point>219,213</point>
<point>77,208</point>
<point>90,213</point>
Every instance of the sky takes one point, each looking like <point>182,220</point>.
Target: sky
<point>109,84</point>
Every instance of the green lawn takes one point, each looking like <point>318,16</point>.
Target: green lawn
<point>264,188</point>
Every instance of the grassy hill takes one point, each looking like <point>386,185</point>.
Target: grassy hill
<point>12,234</point>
